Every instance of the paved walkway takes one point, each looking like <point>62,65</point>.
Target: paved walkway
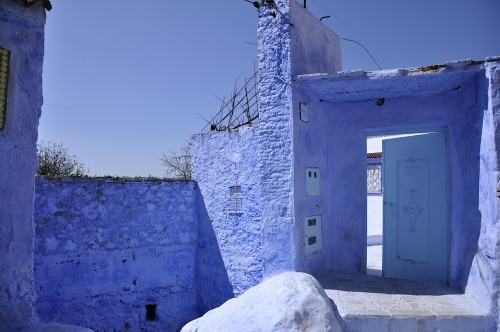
<point>371,303</point>
<point>374,260</point>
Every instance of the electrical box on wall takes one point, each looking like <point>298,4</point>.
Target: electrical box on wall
<point>312,235</point>
<point>312,181</point>
<point>304,112</point>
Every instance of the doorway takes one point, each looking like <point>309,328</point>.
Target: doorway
<point>407,206</point>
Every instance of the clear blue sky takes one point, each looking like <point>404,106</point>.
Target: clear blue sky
<point>126,81</point>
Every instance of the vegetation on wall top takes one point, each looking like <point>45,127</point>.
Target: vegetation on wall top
<point>55,160</point>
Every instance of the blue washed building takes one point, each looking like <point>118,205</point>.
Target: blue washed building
<point>308,159</point>
<point>21,59</point>
<point>286,195</point>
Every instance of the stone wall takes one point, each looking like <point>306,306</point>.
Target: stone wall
<point>262,239</point>
<point>294,42</point>
<point>484,280</point>
<point>22,33</point>
<point>221,161</point>
<point>275,139</point>
<point>116,255</point>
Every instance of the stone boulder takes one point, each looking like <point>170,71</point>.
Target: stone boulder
<point>290,301</point>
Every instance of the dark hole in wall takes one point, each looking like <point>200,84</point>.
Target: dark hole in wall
<point>151,312</point>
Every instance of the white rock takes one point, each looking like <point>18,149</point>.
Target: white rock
<point>290,301</point>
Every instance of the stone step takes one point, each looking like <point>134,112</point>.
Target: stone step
<point>371,303</point>
<point>360,323</point>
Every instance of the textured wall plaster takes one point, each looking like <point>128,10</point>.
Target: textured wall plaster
<point>313,47</point>
<point>289,44</point>
<point>22,32</point>
<point>261,241</point>
<point>343,112</point>
<point>275,139</point>
<point>484,279</point>
<point>221,160</point>
<point>213,284</point>
<point>337,130</point>
<point>105,249</point>
<point>465,106</point>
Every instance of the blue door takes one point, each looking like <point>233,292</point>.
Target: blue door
<point>415,237</point>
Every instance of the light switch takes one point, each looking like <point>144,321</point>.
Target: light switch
<point>312,181</point>
<point>312,235</point>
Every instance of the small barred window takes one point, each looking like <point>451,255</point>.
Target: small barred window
<point>235,199</point>
<point>374,178</point>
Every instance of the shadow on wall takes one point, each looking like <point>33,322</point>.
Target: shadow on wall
<point>469,237</point>
<point>214,287</point>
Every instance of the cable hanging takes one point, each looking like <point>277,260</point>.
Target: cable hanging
<point>371,56</point>
<point>331,12</point>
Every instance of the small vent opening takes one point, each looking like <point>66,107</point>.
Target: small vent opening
<point>150,312</point>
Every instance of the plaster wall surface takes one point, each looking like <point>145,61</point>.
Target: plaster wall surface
<point>335,141</point>
<point>291,43</point>
<point>220,161</point>
<point>275,156</point>
<point>484,280</point>
<point>21,32</point>
<point>105,249</point>
<point>313,47</point>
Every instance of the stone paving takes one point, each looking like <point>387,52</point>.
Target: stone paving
<point>366,301</point>
<point>374,260</point>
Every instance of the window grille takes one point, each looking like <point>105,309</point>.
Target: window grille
<point>235,199</point>
<point>374,178</point>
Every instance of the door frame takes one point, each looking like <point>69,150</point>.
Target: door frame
<point>387,131</point>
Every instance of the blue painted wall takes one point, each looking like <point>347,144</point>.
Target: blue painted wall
<point>234,250</point>
<point>222,160</point>
<point>462,100</point>
<point>294,42</point>
<point>484,280</point>
<point>105,249</point>
<point>334,140</point>
<point>213,284</point>
<point>262,240</point>
<point>21,32</point>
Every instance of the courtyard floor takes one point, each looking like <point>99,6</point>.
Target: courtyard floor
<point>374,260</point>
<point>373,303</point>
